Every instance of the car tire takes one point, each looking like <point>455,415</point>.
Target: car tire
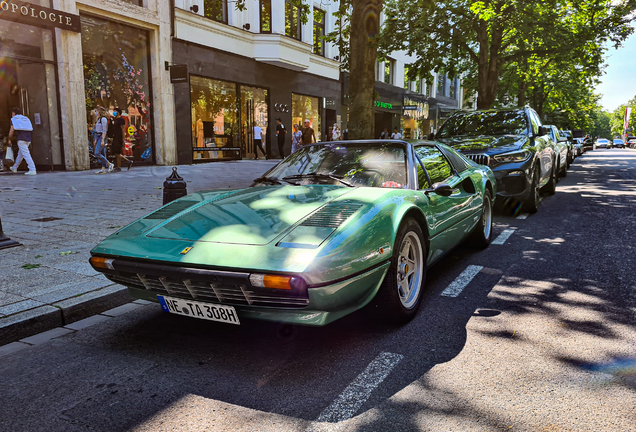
<point>399,297</point>
<point>550,188</point>
<point>531,204</point>
<point>482,234</point>
<point>564,170</point>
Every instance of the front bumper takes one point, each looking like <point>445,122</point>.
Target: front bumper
<point>314,306</point>
<point>514,180</point>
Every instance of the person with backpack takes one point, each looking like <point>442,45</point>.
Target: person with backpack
<point>22,127</point>
<point>101,135</point>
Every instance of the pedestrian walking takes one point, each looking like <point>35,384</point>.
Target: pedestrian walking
<point>309,136</point>
<point>281,133</point>
<point>119,130</point>
<point>258,141</point>
<point>297,138</point>
<point>22,127</point>
<point>335,133</point>
<point>101,130</point>
<point>396,134</point>
<point>385,134</point>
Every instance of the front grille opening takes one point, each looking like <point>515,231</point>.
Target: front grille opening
<point>213,292</point>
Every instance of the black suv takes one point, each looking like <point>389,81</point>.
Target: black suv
<point>513,143</point>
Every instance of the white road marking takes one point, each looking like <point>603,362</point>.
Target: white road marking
<point>357,393</point>
<point>522,216</point>
<point>503,237</point>
<point>458,285</point>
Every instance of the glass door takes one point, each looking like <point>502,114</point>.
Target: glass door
<point>254,116</point>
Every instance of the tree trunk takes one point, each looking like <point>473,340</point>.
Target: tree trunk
<point>489,67</point>
<point>365,27</point>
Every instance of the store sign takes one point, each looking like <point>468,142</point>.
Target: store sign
<point>411,108</point>
<point>385,105</point>
<point>282,108</point>
<point>40,16</point>
<point>178,74</point>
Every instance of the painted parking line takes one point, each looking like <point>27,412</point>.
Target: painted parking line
<point>462,281</point>
<point>503,237</point>
<point>356,394</point>
<point>523,216</point>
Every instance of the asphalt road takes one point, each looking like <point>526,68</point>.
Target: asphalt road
<point>522,347</point>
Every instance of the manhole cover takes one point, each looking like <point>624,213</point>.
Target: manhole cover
<point>46,219</point>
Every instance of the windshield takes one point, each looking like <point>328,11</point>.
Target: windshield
<point>603,141</point>
<point>378,164</point>
<point>484,123</point>
<point>616,141</point>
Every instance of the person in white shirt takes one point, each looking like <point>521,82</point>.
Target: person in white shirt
<point>22,127</point>
<point>101,129</point>
<point>396,135</point>
<point>335,134</point>
<point>258,141</point>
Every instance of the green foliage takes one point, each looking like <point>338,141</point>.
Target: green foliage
<point>31,266</point>
<point>531,46</point>
<point>617,117</point>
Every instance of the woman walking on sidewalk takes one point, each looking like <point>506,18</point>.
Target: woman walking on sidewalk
<point>101,129</point>
<point>21,125</point>
<point>119,126</point>
<point>297,137</point>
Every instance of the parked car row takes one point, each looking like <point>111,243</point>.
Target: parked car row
<point>526,156</point>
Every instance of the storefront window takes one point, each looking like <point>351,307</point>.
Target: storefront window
<point>117,75</point>
<point>215,111</point>
<point>28,82</point>
<point>253,114</point>
<point>307,108</point>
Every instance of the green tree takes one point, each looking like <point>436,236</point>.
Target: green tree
<point>482,39</point>
<point>617,118</point>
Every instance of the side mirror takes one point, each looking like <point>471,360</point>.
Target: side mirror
<point>442,189</point>
<point>543,131</point>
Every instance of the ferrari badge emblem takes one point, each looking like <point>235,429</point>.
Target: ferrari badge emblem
<point>186,250</point>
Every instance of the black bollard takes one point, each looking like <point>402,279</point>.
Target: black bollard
<point>6,242</point>
<point>174,187</point>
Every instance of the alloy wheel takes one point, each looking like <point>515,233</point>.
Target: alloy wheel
<point>409,271</point>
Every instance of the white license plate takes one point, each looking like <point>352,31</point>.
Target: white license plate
<point>195,309</point>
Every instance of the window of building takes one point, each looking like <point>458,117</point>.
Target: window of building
<point>319,32</point>
<point>135,2</point>
<point>453,89</point>
<point>378,65</point>
<point>28,81</point>
<point>214,119</point>
<point>216,10</point>
<point>441,85</point>
<point>307,108</point>
<point>418,86</point>
<point>266,16</point>
<point>389,68</point>
<point>293,24</point>
<point>116,62</point>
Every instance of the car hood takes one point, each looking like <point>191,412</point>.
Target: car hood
<point>253,216</point>
<point>486,144</point>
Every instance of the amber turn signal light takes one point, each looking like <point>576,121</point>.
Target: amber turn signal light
<point>276,281</point>
<point>102,263</point>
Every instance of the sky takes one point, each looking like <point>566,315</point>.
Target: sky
<point>619,82</point>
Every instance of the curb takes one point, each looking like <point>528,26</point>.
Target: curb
<point>47,317</point>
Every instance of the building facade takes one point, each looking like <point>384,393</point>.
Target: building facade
<point>63,59</point>
<point>247,68</point>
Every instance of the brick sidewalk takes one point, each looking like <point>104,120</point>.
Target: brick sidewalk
<point>59,217</point>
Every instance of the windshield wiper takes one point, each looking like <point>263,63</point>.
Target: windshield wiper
<point>265,179</point>
<point>319,176</point>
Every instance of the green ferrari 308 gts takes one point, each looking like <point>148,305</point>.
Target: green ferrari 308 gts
<point>330,229</point>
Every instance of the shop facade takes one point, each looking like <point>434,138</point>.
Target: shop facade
<point>231,99</point>
<point>61,61</point>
